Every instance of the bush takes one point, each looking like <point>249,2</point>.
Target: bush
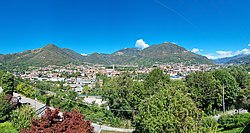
<point>209,125</point>
<point>228,122</point>
<point>7,127</point>
<point>4,108</point>
<point>21,118</point>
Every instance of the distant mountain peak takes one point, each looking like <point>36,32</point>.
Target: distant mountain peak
<point>47,55</point>
<point>49,46</point>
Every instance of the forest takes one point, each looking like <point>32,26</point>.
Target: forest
<point>147,103</point>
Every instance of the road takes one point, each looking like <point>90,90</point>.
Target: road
<point>97,127</point>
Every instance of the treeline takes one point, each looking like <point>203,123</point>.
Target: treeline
<point>158,104</point>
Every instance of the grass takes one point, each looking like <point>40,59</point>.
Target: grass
<point>104,131</point>
<point>235,130</point>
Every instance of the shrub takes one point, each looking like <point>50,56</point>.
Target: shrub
<point>228,122</point>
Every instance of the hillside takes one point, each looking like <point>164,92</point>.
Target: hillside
<point>238,59</point>
<point>48,55</point>
<point>160,53</point>
<point>53,55</point>
<point>171,53</point>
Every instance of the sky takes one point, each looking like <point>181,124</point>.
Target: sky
<point>213,28</point>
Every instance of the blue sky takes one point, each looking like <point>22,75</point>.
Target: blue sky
<point>215,28</point>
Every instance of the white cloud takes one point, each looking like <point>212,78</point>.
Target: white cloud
<point>195,50</point>
<point>243,51</point>
<point>141,44</point>
<point>84,54</point>
<point>248,44</point>
<point>223,54</point>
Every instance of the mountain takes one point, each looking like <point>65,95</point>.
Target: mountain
<point>171,53</point>
<point>159,53</point>
<point>48,55</point>
<point>53,55</point>
<point>238,59</point>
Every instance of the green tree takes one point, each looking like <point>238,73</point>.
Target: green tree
<point>8,83</point>
<point>4,108</point>
<point>230,85</point>
<point>21,118</point>
<point>243,99</point>
<point>168,111</point>
<point>116,91</point>
<point>86,90</point>
<point>205,90</point>
<point>7,127</point>
<point>241,76</point>
<point>26,90</point>
<point>155,80</point>
<point>1,75</point>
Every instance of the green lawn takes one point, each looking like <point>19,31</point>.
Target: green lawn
<point>103,131</point>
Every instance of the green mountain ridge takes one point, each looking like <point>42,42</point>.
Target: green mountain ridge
<point>158,53</point>
<point>48,55</point>
<point>53,55</point>
<point>238,59</point>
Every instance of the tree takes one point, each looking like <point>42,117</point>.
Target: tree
<point>21,118</point>
<point>52,122</point>
<point>230,85</point>
<point>26,90</point>
<point>243,99</point>
<point>241,76</point>
<point>168,111</point>
<point>155,80</point>
<point>205,90</point>
<point>8,83</point>
<point>7,127</point>
<point>86,90</point>
<point>1,75</point>
<point>4,108</point>
<point>116,91</point>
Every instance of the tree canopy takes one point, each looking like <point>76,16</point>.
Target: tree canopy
<point>8,83</point>
<point>168,111</point>
<point>52,122</point>
<point>205,90</point>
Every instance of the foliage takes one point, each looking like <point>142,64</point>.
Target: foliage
<point>4,108</point>
<point>21,118</point>
<point>86,90</point>
<point>1,75</point>
<point>241,75</point>
<point>116,92</point>
<point>228,122</point>
<point>209,125</point>
<point>125,94</point>
<point>8,83</point>
<point>52,122</point>
<point>230,85</point>
<point>205,90</point>
<point>26,90</point>
<point>154,81</point>
<point>168,111</point>
<point>7,127</point>
<point>243,99</point>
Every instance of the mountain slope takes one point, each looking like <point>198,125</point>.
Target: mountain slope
<point>53,55</point>
<point>161,53</point>
<point>172,53</point>
<point>238,59</point>
<point>48,55</point>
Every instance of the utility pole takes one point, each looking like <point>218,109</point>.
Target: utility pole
<point>35,95</point>
<point>223,99</point>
